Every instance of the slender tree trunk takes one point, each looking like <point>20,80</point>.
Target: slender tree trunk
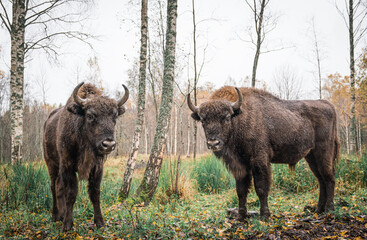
<point>125,188</point>
<point>151,80</point>
<point>318,58</point>
<point>259,32</point>
<point>1,138</point>
<point>177,174</point>
<point>176,116</point>
<point>17,79</point>
<point>195,127</point>
<point>359,137</point>
<point>353,129</point>
<point>146,137</point>
<point>151,176</point>
<point>188,135</point>
<point>319,73</point>
<point>319,69</point>
<point>182,148</point>
<point>347,138</point>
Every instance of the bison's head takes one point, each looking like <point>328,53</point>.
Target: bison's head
<point>99,115</point>
<point>216,117</point>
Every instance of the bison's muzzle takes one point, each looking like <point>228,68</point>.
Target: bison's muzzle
<point>106,146</point>
<point>215,145</point>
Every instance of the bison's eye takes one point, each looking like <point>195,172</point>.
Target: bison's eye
<point>90,117</point>
<point>227,119</point>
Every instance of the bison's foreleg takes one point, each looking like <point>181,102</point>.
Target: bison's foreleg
<point>67,192</point>
<point>94,186</point>
<point>242,188</point>
<point>262,181</point>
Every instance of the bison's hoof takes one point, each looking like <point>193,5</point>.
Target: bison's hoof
<point>265,214</point>
<point>99,222</point>
<point>233,213</point>
<point>56,218</point>
<point>66,226</point>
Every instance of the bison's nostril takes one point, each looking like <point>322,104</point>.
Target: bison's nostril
<point>108,144</point>
<point>213,143</point>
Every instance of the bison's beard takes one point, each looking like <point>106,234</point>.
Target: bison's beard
<point>103,152</point>
<point>216,148</point>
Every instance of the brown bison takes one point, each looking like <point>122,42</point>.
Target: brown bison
<point>77,138</point>
<point>249,129</point>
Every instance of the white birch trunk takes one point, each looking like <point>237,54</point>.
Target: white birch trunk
<point>125,188</point>
<point>17,80</point>
<point>149,183</point>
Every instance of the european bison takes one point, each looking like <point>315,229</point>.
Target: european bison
<point>249,129</point>
<point>77,138</point>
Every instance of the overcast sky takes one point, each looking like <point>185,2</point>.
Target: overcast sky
<point>227,56</point>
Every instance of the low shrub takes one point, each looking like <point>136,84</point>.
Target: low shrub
<point>212,176</point>
<point>26,185</point>
<point>301,180</point>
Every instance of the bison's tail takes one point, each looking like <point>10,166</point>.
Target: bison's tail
<point>336,150</point>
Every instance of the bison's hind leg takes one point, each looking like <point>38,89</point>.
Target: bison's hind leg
<point>261,172</point>
<point>321,162</point>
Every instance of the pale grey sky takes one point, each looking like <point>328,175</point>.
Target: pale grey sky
<point>227,55</point>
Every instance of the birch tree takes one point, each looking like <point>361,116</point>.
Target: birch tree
<point>125,188</point>
<point>198,67</point>
<point>318,55</point>
<point>195,79</point>
<point>39,16</point>
<point>354,15</point>
<point>258,9</point>
<point>264,23</point>
<point>149,183</point>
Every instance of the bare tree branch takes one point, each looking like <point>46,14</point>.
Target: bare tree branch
<point>5,20</point>
<point>71,34</point>
<point>39,14</point>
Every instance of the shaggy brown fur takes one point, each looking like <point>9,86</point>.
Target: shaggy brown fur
<point>269,130</point>
<point>76,139</point>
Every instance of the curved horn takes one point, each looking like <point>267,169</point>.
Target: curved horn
<point>237,105</point>
<point>192,107</point>
<point>76,98</point>
<point>125,97</point>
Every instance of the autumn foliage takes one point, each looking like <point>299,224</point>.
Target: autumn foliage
<point>337,89</point>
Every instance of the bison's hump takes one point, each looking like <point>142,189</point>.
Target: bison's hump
<point>89,90</point>
<point>229,93</point>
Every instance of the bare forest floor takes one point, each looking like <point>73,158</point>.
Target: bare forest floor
<point>195,213</point>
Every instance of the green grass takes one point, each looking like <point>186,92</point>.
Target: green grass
<point>212,176</point>
<point>199,211</point>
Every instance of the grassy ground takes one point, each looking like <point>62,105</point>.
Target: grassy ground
<point>200,210</point>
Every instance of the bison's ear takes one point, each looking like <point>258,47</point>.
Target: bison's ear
<point>195,116</point>
<point>121,110</point>
<point>236,112</point>
<point>75,109</point>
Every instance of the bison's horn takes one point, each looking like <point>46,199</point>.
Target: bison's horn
<point>76,98</point>
<point>125,97</point>
<point>237,104</point>
<point>191,106</point>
